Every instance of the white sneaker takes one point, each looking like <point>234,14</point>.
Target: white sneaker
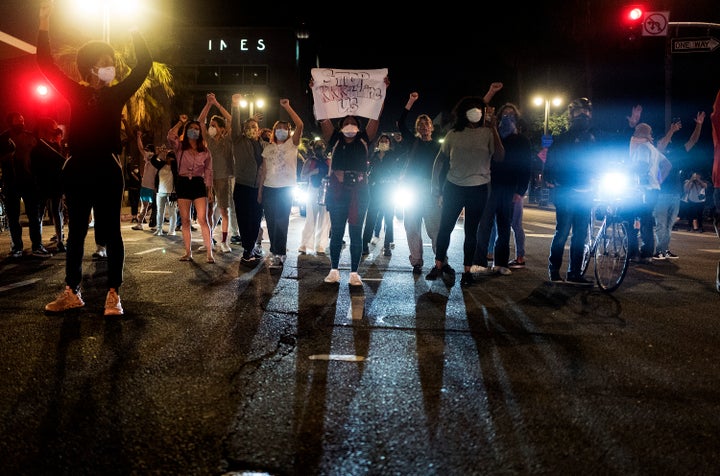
<point>66,300</point>
<point>355,279</point>
<point>112,304</point>
<point>482,270</point>
<point>502,270</point>
<point>159,232</point>
<point>374,240</point>
<point>100,253</point>
<point>225,248</point>
<point>333,276</point>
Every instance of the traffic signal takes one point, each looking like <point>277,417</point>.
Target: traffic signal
<point>632,21</point>
<point>42,91</point>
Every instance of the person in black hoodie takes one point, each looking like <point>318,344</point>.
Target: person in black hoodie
<point>46,163</point>
<point>509,182</point>
<point>93,175</point>
<point>19,184</point>
<point>570,168</point>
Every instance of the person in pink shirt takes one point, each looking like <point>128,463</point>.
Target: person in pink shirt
<point>194,182</point>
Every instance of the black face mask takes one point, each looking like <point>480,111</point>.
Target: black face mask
<point>581,122</point>
<point>17,128</point>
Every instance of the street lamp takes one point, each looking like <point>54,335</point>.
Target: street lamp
<point>108,9</point>
<point>539,100</point>
<point>252,102</point>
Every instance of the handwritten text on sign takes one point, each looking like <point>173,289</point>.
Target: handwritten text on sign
<point>342,92</point>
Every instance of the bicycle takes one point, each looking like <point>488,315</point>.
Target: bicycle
<point>607,242</point>
<point>3,212</point>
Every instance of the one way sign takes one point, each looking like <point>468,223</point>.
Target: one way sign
<point>694,45</point>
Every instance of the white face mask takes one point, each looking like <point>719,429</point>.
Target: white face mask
<point>106,74</point>
<point>474,115</point>
<point>212,131</point>
<point>350,130</point>
<point>281,134</point>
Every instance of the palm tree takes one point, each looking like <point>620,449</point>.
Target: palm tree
<point>147,108</point>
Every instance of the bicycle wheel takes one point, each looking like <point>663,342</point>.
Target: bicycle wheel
<point>3,216</point>
<point>611,256</point>
<point>596,223</point>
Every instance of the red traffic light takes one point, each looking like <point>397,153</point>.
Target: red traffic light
<point>633,14</point>
<point>632,19</point>
<point>42,90</point>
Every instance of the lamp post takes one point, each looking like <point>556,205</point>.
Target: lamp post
<point>546,142</point>
<point>540,100</point>
<point>107,9</point>
<point>251,102</point>
<point>106,21</point>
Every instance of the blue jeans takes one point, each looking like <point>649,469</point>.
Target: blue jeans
<point>380,207</point>
<point>496,216</point>
<point>666,213</point>
<point>517,227</point>
<point>572,212</point>
<point>644,211</point>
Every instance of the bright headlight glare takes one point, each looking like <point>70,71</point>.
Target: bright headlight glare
<point>614,184</point>
<point>300,195</point>
<point>403,196</point>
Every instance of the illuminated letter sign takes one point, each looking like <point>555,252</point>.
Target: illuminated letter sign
<point>239,44</point>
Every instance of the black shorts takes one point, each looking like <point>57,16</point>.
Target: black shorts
<point>190,188</point>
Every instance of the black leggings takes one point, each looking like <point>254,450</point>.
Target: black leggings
<point>98,187</point>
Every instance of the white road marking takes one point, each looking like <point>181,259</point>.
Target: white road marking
<point>151,250</point>
<point>341,357</point>
<point>19,284</point>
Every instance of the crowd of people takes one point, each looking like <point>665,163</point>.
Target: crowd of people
<point>221,170</point>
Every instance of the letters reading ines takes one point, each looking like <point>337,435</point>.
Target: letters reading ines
<point>243,44</point>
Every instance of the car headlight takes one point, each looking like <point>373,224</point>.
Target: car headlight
<point>403,196</point>
<point>300,194</point>
<point>614,185</point>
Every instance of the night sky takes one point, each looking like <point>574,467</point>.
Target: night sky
<point>451,50</point>
<point>447,51</point>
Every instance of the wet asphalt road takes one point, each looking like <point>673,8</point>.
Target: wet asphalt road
<point>215,369</point>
